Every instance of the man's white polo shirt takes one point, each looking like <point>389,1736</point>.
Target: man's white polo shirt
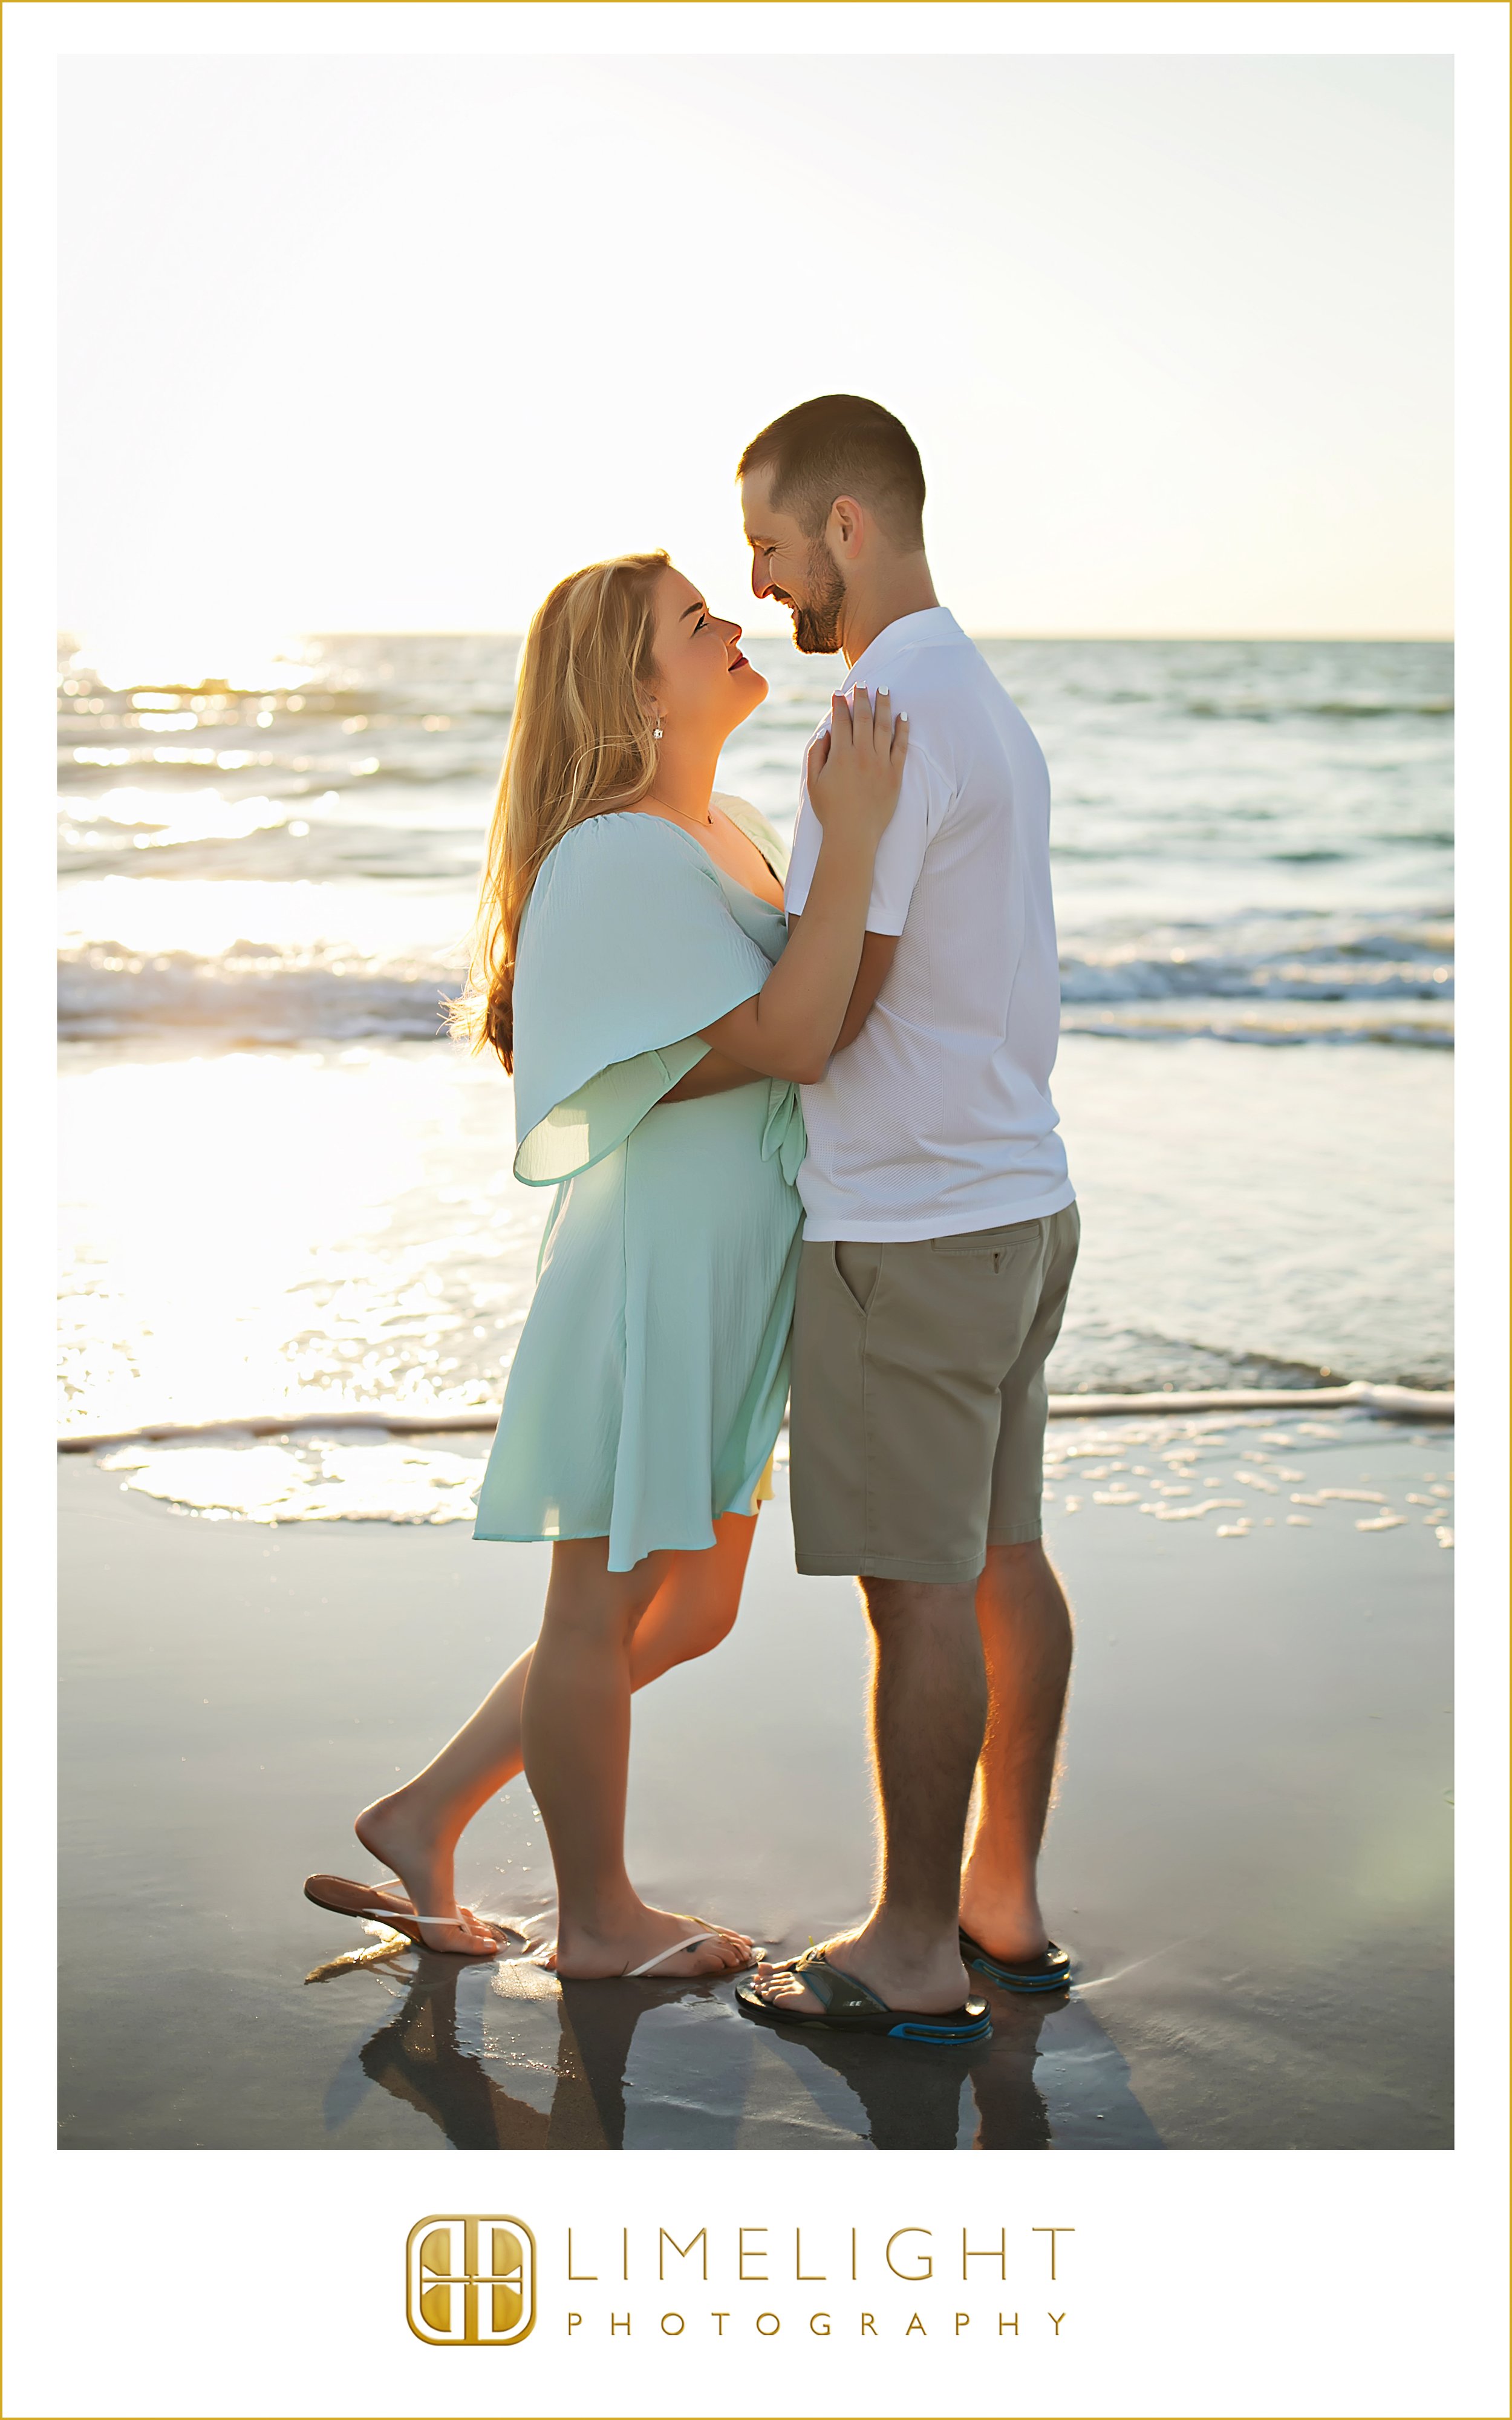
<point>938,1119</point>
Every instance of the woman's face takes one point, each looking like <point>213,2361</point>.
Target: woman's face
<point>702,685</point>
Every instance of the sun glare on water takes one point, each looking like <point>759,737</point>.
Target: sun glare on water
<point>252,1230</point>
<point>163,663</point>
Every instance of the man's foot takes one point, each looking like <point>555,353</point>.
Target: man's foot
<point>1007,1924</point>
<point>391,1831</point>
<point>580,1955</point>
<point>928,1982</point>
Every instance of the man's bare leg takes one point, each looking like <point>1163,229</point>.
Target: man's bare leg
<point>1026,1632</point>
<point>928,1709</point>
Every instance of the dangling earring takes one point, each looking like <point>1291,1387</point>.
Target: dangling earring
<point>657,733</point>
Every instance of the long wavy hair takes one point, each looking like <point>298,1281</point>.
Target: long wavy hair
<point>580,744</point>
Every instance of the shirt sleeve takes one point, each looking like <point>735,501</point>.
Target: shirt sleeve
<point>804,858</point>
<point>921,804</point>
<point>921,807</point>
<point>596,1118</point>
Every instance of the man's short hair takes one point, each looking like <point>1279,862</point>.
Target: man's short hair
<point>843,445</point>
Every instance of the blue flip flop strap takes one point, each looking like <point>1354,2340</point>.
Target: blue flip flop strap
<point>1023,1970</point>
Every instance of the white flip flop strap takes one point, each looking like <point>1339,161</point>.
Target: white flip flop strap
<point>396,1916</point>
<point>662,1955</point>
<point>406,1915</point>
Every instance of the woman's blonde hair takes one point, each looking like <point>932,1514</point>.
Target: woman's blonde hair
<point>580,744</point>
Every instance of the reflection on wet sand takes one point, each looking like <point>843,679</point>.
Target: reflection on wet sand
<point>422,2057</point>
<point>626,2052</point>
<point>1250,1860</point>
<point>418,2058</point>
<point>914,2097</point>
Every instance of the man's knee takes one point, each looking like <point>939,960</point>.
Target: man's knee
<point>1020,1584</point>
<point>1018,1559</point>
<point>901,1608</point>
<point>1021,1570</point>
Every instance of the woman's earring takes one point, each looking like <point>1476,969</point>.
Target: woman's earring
<point>657,733</point>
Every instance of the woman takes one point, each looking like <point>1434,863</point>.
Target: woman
<point>635,972</point>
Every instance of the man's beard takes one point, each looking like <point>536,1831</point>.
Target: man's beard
<point>816,625</point>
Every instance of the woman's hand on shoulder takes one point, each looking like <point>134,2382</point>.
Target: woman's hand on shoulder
<point>855,768</point>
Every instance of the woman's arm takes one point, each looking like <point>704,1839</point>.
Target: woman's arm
<point>791,1027</point>
<point>878,951</point>
<point>715,1072</point>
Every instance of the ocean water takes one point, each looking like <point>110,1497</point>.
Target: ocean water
<point>282,1188</point>
<point>1250,840</point>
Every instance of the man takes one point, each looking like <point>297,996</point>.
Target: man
<point>940,1234</point>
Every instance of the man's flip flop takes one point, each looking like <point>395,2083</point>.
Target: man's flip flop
<point>343,1898</point>
<point>851,2006</point>
<point>1049,1971</point>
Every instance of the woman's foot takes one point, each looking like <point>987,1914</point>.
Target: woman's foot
<point>393,1831</point>
<point>581,1955</point>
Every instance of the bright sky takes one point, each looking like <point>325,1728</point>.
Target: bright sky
<point>394,342</point>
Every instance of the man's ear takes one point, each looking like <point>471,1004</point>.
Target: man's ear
<point>847,528</point>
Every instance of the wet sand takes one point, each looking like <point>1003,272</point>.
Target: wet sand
<point>1250,1857</point>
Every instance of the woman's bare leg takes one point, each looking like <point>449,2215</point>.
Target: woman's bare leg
<point>415,1829</point>
<point>576,1741</point>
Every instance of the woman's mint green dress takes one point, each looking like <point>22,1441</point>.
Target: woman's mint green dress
<point>649,1383</point>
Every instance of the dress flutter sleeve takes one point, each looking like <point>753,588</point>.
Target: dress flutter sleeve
<point>626,950</point>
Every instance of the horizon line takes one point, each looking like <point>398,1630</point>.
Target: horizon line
<point>1121,638</point>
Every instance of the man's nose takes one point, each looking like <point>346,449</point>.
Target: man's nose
<point>761,572</point>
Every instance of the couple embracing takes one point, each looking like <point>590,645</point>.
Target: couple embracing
<point>797,1117</point>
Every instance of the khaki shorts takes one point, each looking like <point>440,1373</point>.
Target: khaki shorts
<point>918,1397</point>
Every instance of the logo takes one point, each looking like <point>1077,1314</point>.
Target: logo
<point>470,2281</point>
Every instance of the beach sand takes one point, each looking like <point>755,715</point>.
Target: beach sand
<point>1249,1858</point>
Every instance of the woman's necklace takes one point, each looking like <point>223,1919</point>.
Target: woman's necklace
<point>690,823</point>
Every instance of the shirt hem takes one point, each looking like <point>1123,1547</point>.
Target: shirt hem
<point>837,1228</point>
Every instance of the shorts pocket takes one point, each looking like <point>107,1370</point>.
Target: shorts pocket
<point>858,1267</point>
<point>987,1242</point>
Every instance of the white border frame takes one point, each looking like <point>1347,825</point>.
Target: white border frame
<point>1240,2282</point>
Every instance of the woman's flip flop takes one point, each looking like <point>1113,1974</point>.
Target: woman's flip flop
<point>1049,1971</point>
<point>661,1957</point>
<point>673,1949</point>
<point>851,2006</point>
<point>342,1897</point>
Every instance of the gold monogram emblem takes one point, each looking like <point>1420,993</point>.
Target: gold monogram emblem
<point>470,2281</point>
